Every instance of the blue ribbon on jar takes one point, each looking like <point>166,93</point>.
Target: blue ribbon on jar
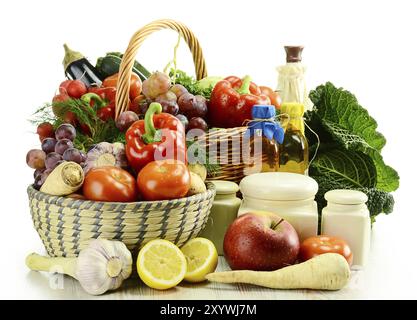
<point>264,119</point>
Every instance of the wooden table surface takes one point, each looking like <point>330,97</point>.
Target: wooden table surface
<point>135,289</point>
<point>389,274</point>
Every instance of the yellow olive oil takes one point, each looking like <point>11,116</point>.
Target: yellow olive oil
<point>293,152</point>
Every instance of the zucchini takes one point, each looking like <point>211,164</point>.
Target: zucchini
<point>110,64</point>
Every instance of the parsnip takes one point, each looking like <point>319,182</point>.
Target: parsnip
<point>329,271</point>
<point>65,179</point>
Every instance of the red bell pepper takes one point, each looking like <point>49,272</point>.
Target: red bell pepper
<point>230,106</point>
<point>236,83</point>
<point>159,136</point>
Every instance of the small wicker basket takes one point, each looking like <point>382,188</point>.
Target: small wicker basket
<point>66,225</point>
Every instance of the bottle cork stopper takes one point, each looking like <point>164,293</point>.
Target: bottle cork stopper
<point>294,53</point>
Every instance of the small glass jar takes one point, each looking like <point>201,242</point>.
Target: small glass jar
<point>261,153</point>
<point>347,216</point>
<point>289,195</point>
<point>222,213</point>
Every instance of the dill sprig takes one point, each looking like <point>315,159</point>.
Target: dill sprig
<point>86,115</point>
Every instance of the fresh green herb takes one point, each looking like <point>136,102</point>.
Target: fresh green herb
<point>190,83</point>
<point>99,130</point>
<point>44,114</point>
<point>195,150</point>
<point>349,156</point>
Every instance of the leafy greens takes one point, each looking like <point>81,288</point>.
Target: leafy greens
<point>349,156</point>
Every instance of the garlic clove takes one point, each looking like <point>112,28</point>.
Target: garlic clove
<point>104,147</point>
<point>118,146</point>
<point>105,159</point>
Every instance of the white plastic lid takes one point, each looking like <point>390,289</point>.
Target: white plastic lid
<point>341,196</point>
<point>279,186</point>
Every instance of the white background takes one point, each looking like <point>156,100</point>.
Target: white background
<point>368,47</point>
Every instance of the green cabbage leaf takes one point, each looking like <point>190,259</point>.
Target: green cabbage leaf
<point>349,156</point>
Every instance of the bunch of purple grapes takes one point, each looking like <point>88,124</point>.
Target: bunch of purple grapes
<point>54,152</point>
<point>190,109</point>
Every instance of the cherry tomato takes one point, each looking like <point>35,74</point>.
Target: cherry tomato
<point>105,113</point>
<point>61,97</point>
<point>273,96</point>
<point>236,83</point>
<point>317,245</point>
<point>164,180</point>
<point>110,184</point>
<point>45,130</point>
<point>63,87</point>
<point>70,117</point>
<point>76,88</point>
<point>135,84</point>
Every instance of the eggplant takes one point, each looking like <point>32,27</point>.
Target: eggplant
<point>77,67</point>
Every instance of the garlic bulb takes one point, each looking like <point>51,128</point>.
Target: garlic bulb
<point>103,266</point>
<point>100,267</point>
<point>106,154</point>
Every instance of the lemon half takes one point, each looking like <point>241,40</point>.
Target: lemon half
<point>161,264</point>
<point>201,256</point>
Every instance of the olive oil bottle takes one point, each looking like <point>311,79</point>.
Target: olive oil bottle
<point>293,152</point>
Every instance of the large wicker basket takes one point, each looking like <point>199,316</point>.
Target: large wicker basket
<point>66,225</point>
<point>227,169</point>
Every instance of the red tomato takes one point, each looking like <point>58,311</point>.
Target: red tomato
<point>105,113</point>
<point>111,184</point>
<point>76,88</point>
<point>61,97</point>
<point>63,87</point>
<point>70,117</point>
<point>317,245</point>
<point>164,180</point>
<point>135,84</point>
<point>273,96</point>
<point>45,130</point>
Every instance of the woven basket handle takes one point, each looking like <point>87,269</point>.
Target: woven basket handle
<point>125,71</point>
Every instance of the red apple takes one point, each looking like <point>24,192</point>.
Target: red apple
<point>260,241</point>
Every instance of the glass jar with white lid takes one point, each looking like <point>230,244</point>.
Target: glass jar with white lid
<point>289,195</point>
